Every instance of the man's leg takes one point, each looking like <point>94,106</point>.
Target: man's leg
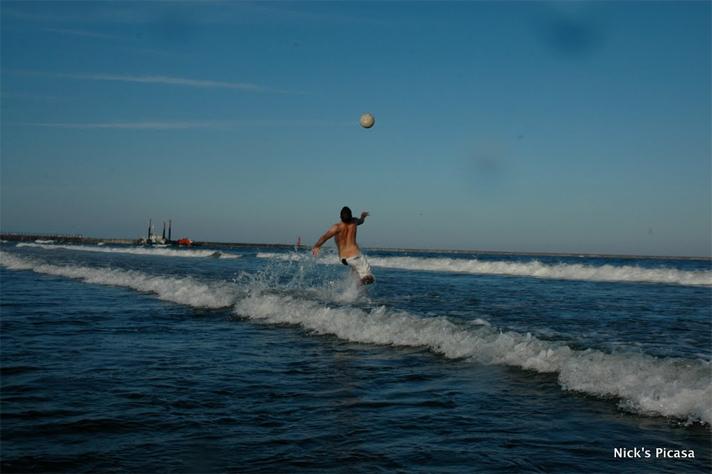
<point>359,265</point>
<point>364,271</point>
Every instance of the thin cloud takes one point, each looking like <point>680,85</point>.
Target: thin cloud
<point>100,13</point>
<point>89,34</point>
<point>167,80</point>
<point>134,125</point>
<point>288,14</point>
<point>127,44</point>
<point>183,125</point>
<point>37,97</point>
<point>163,80</point>
<point>201,13</point>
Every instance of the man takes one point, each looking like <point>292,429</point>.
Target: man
<point>344,234</point>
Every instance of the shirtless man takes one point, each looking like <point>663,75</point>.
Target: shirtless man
<point>344,234</point>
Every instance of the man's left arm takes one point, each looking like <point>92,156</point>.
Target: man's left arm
<point>361,219</point>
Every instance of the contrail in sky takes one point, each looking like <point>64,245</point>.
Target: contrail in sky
<point>175,81</point>
<point>157,79</point>
<point>136,125</point>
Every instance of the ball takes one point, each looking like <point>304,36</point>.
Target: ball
<point>367,120</point>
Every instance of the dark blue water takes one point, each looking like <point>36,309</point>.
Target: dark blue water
<point>271,362</point>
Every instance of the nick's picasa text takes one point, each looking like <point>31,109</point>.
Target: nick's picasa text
<point>657,453</point>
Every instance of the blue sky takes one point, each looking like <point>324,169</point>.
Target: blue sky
<point>534,126</point>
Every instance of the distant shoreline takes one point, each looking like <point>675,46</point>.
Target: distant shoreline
<point>78,238</point>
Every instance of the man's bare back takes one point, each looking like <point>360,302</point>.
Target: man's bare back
<point>344,234</point>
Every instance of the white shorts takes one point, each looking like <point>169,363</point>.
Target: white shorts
<point>359,264</point>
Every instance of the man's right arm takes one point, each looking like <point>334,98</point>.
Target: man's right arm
<point>333,230</point>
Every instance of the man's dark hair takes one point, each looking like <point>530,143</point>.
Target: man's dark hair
<point>346,216</point>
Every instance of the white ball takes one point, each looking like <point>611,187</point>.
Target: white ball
<point>367,120</point>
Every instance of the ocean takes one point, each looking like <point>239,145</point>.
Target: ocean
<point>132,359</point>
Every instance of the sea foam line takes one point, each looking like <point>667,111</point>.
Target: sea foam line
<point>135,250</point>
<point>673,387</point>
<point>679,388</point>
<point>535,268</point>
<point>184,290</point>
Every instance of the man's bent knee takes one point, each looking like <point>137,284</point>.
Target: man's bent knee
<point>367,280</point>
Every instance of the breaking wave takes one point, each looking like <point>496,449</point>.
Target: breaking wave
<point>535,268</point>
<point>288,257</point>
<point>165,252</point>
<point>679,388</point>
<point>672,387</point>
<point>184,290</point>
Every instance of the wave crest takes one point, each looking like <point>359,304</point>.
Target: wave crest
<point>185,290</point>
<point>164,252</point>
<point>535,268</point>
<point>678,388</point>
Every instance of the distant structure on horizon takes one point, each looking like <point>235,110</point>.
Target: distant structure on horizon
<point>153,239</point>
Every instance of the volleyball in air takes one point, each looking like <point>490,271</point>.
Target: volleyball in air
<point>367,120</point>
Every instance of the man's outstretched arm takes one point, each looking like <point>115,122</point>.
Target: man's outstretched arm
<point>327,235</point>
<point>362,219</point>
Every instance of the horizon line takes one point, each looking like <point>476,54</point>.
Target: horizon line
<point>378,248</point>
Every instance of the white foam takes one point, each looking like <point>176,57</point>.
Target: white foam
<point>677,388</point>
<point>535,268</point>
<point>186,290</point>
<point>673,387</point>
<point>288,257</point>
<point>161,251</point>
<point>304,278</point>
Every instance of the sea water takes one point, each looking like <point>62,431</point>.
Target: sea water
<point>135,359</point>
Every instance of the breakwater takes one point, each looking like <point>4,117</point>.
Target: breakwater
<point>82,239</point>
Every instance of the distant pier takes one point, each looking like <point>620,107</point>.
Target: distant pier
<point>60,238</point>
<point>82,239</point>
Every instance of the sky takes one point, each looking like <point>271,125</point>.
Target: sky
<point>505,126</point>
